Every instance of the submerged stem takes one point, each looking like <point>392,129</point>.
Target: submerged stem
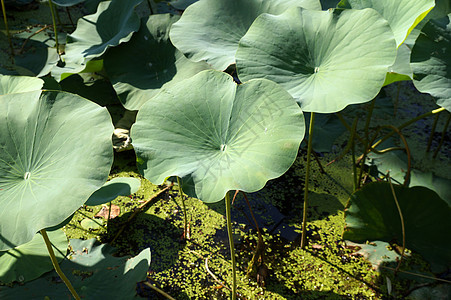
<point>185,224</point>
<point>232,248</point>
<point>307,173</point>
<point>56,265</point>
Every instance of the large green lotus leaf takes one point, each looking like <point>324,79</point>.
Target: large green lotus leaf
<point>94,273</point>
<point>148,62</point>
<point>19,84</point>
<point>30,260</point>
<point>403,15</point>
<point>55,151</point>
<point>112,24</point>
<point>431,61</point>
<point>325,59</point>
<point>222,135</point>
<point>211,29</point>
<point>120,186</point>
<point>372,215</point>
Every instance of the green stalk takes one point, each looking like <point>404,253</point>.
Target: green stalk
<point>307,173</point>
<point>150,7</point>
<point>109,215</point>
<point>55,29</point>
<point>185,225</point>
<point>232,248</point>
<point>431,136</point>
<point>367,142</point>
<point>402,224</point>
<point>56,265</point>
<point>443,136</point>
<point>7,29</point>
<point>354,167</point>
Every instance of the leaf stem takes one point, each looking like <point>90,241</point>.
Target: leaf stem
<point>232,248</point>
<point>409,156</point>
<point>56,265</point>
<point>307,174</point>
<point>55,29</point>
<point>7,30</point>
<point>402,223</point>
<point>443,136</point>
<point>158,290</point>
<point>367,141</point>
<point>431,136</point>
<point>185,224</point>
<point>356,184</point>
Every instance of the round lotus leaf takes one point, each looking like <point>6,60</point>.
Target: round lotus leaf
<point>372,215</point>
<point>30,260</point>
<point>55,151</point>
<point>211,29</point>
<point>112,24</point>
<point>325,59</point>
<point>402,15</point>
<point>120,186</point>
<point>431,61</point>
<point>19,84</point>
<point>148,62</point>
<point>221,135</point>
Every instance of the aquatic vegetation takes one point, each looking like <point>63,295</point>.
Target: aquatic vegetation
<point>219,90</point>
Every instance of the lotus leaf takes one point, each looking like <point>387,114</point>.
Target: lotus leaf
<point>19,84</point>
<point>112,24</point>
<point>220,135</point>
<point>211,29</point>
<point>431,61</point>
<point>403,15</point>
<point>56,151</point>
<point>325,59</point>
<point>30,260</point>
<point>372,215</point>
<point>120,186</point>
<point>148,62</point>
<point>94,273</point>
